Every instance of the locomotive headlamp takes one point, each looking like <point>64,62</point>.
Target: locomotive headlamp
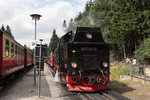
<point>74,65</point>
<point>105,64</point>
<point>73,51</point>
<point>89,36</point>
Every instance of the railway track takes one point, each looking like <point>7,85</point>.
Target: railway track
<point>95,96</point>
<point>102,95</point>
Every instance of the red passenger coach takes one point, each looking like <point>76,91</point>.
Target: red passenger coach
<point>28,58</point>
<point>1,54</point>
<point>13,56</point>
<point>50,59</point>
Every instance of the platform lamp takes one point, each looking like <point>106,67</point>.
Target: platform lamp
<point>35,17</point>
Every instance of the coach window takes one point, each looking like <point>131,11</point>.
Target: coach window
<point>22,53</point>
<point>12,49</point>
<point>18,51</point>
<point>15,50</point>
<point>7,48</point>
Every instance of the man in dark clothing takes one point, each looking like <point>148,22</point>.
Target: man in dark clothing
<point>141,68</point>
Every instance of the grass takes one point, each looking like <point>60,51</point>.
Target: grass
<point>129,89</point>
<point>115,82</point>
<point>116,71</point>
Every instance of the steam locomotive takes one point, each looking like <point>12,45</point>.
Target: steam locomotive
<point>82,59</point>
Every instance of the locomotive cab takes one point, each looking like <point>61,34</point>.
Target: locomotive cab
<point>83,58</point>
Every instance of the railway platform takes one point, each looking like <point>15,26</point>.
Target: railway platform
<point>24,89</point>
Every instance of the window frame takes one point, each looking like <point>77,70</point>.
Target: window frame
<point>7,48</point>
<point>16,51</point>
<point>12,49</point>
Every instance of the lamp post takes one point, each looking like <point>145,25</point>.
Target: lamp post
<point>35,17</point>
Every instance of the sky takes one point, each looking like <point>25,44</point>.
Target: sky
<point>16,14</point>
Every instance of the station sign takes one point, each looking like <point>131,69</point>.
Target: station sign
<point>43,55</point>
<point>43,51</point>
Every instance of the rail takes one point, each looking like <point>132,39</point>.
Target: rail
<point>95,96</point>
<point>84,96</point>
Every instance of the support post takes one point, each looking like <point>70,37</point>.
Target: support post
<point>35,57</point>
<point>131,73</point>
<point>34,68</point>
<point>144,74</point>
<point>39,69</point>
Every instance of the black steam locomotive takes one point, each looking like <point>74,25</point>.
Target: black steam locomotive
<point>82,59</point>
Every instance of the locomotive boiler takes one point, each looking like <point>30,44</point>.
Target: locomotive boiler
<point>82,59</point>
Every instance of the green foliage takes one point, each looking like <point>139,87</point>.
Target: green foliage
<point>7,30</point>
<point>84,19</point>
<point>71,25</point>
<point>121,70</point>
<point>3,28</point>
<point>53,42</point>
<point>117,71</point>
<point>143,52</point>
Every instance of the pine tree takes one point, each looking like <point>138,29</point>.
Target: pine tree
<point>84,19</point>
<point>53,42</point>
<point>71,25</point>
<point>3,28</point>
<point>64,24</point>
<point>8,31</point>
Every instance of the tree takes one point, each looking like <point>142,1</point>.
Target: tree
<point>71,25</point>
<point>53,41</point>
<point>84,19</point>
<point>8,31</point>
<point>143,52</point>
<point>64,24</point>
<point>3,28</point>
